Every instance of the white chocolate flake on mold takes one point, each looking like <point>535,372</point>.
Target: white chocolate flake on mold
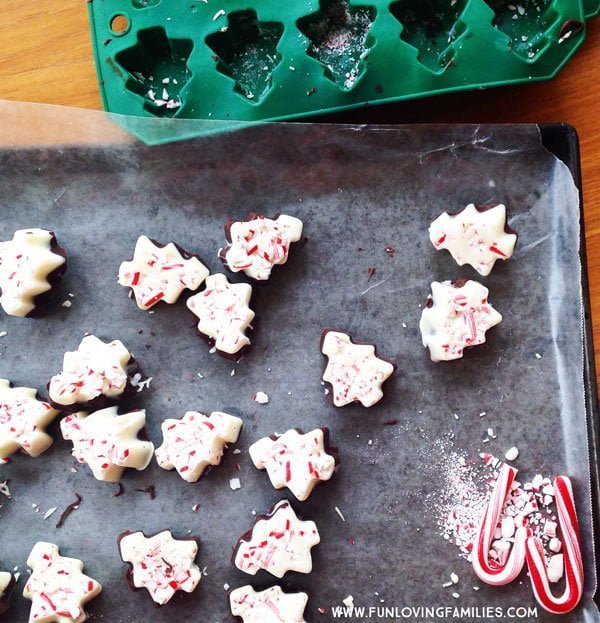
<point>95,369</point>
<point>260,244</point>
<point>107,442</point>
<point>196,441</point>
<point>26,261</point>
<point>160,273</point>
<point>223,312</point>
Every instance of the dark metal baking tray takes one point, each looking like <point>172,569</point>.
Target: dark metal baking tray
<point>367,187</point>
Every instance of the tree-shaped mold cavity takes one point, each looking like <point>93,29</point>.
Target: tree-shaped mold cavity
<point>339,39</point>
<point>246,52</point>
<point>157,70</point>
<point>525,23</point>
<point>431,27</point>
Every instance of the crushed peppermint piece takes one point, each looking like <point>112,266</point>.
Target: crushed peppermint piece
<point>66,303</point>
<point>339,512</point>
<point>512,454</point>
<point>4,490</point>
<point>235,484</point>
<point>50,512</point>
<point>261,398</point>
<point>3,333</point>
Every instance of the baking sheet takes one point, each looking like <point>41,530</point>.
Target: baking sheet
<point>353,187</point>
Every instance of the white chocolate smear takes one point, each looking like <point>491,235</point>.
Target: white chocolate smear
<point>269,606</point>
<point>474,236</point>
<point>95,369</point>
<point>223,312</point>
<point>260,244</point>
<point>294,460</point>
<point>23,419</point>
<point>160,273</point>
<point>196,441</point>
<point>107,442</point>
<point>26,261</point>
<point>355,372</point>
<point>161,563</point>
<point>455,318</point>
<point>278,544</point>
<point>57,587</point>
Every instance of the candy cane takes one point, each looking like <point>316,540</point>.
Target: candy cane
<point>490,571</point>
<point>536,561</point>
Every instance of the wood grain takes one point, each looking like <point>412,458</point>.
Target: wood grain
<point>46,56</point>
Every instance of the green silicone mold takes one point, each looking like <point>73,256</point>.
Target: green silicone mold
<point>253,60</point>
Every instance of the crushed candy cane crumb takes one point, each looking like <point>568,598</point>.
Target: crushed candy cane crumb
<point>261,398</point>
<point>235,484</point>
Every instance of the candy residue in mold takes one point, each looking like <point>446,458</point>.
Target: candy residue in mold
<point>339,39</point>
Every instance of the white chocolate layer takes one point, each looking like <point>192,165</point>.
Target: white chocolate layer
<point>5,580</point>
<point>26,261</point>
<point>108,442</point>
<point>456,318</point>
<point>278,544</point>
<point>95,369</point>
<point>223,312</point>
<point>475,237</point>
<point>260,244</point>
<point>294,460</point>
<point>196,441</point>
<point>22,421</point>
<point>160,273</point>
<point>356,374</point>
<point>269,606</point>
<point>161,563</point>
<point>57,587</point>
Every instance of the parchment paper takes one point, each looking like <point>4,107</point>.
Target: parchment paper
<point>353,187</point>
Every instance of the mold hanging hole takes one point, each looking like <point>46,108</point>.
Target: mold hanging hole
<point>339,39</point>
<point>431,27</point>
<point>525,22</point>
<point>157,70</point>
<point>119,24</point>
<point>246,51</point>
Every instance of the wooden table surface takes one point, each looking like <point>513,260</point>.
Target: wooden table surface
<point>46,56</point>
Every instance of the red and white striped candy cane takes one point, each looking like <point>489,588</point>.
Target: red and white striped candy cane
<point>491,571</point>
<point>536,561</point>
